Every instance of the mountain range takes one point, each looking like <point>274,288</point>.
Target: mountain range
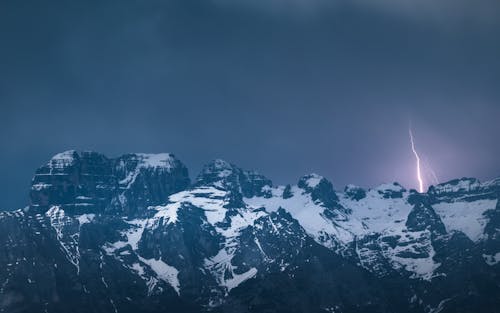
<point>135,234</point>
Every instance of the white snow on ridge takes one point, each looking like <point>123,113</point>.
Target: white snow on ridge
<point>61,160</point>
<point>158,160</point>
<point>240,278</point>
<point>492,259</point>
<point>164,272</point>
<point>467,217</point>
<point>68,242</point>
<point>167,213</point>
<point>372,214</point>
<point>378,214</point>
<point>461,185</point>
<point>314,180</point>
<point>85,218</point>
<point>210,199</point>
<point>309,214</point>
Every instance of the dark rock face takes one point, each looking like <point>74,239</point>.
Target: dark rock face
<point>320,189</point>
<point>354,192</point>
<point>79,183</point>
<point>287,192</point>
<point>89,182</point>
<point>146,180</point>
<point>395,191</point>
<point>222,174</point>
<point>130,234</point>
<point>423,217</point>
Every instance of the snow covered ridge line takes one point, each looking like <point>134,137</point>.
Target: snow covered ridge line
<point>155,160</point>
<point>232,199</point>
<point>169,161</point>
<point>390,212</point>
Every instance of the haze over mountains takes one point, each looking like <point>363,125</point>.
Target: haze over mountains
<point>134,234</point>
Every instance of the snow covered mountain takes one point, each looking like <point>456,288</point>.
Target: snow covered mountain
<point>133,234</point>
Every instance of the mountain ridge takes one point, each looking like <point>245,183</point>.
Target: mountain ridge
<point>134,231</point>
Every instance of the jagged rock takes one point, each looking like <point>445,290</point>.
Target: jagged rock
<point>320,188</point>
<point>222,174</point>
<point>80,183</point>
<point>148,179</point>
<point>355,192</point>
<point>89,182</point>
<point>423,217</point>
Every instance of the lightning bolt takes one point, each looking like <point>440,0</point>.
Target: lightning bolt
<point>431,171</point>
<point>419,175</point>
<point>434,176</point>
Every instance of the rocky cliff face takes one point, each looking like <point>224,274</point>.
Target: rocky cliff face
<point>131,234</point>
<point>89,182</point>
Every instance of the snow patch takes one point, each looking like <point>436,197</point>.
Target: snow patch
<point>161,160</point>
<point>314,180</point>
<point>310,215</point>
<point>492,259</point>
<point>467,217</point>
<point>164,271</point>
<point>158,160</point>
<point>240,278</point>
<point>85,218</point>
<point>167,214</point>
<point>209,199</point>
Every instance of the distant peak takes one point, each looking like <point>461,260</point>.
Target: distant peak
<point>312,180</point>
<point>66,156</point>
<point>222,174</point>
<point>395,186</point>
<point>355,192</point>
<point>457,185</point>
<point>216,170</point>
<point>221,164</point>
<point>63,159</point>
<point>320,189</point>
<point>155,160</point>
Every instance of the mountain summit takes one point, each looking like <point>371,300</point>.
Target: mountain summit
<point>133,234</point>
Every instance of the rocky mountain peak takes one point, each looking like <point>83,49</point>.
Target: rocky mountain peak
<point>224,175</point>
<point>464,184</point>
<point>394,190</point>
<point>89,182</point>
<point>218,173</point>
<point>320,188</point>
<point>423,216</point>
<point>355,192</point>
<point>63,160</point>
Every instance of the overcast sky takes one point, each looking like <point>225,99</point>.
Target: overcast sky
<point>285,87</point>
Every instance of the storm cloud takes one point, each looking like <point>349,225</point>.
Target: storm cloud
<point>330,91</point>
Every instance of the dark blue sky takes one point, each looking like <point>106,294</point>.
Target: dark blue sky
<point>285,87</point>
